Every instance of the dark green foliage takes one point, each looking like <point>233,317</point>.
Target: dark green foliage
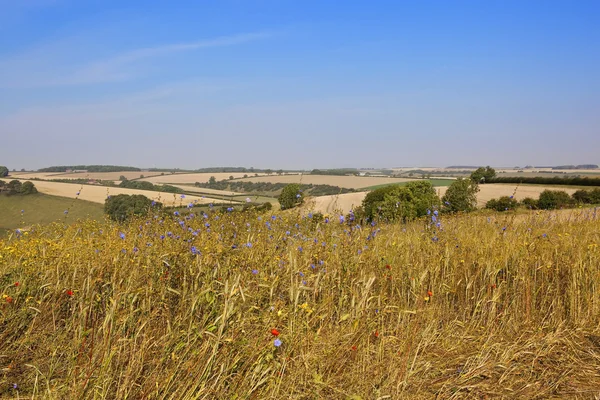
<point>542,180</point>
<point>552,199</point>
<point>123,206</point>
<point>89,168</point>
<point>268,188</point>
<point>461,196</point>
<point>143,185</point>
<point>396,202</point>
<point>122,178</point>
<point>290,196</point>
<point>212,180</point>
<point>530,203</point>
<point>482,175</point>
<point>3,171</point>
<point>587,196</point>
<point>259,207</point>
<point>15,187</point>
<point>504,203</point>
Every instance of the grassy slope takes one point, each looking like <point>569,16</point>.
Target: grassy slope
<point>43,209</point>
<point>503,307</point>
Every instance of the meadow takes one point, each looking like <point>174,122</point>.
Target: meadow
<point>282,305</point>
<point>22,212</point>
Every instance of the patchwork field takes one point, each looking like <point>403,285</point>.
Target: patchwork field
<point>351,182</point>
<point>98,194</point>
<point>192,178</point>
<point>345,202</point>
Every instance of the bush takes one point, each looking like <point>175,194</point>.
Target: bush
<point>461,196</point>
<point>587,196</point>
<point>504,203</point>
<point>290,196</point>
<point>28,188</point>
<point>123,206</point>
<point>530,203</point>
<point>3,171</point>
<point>396,202</point>
<point>482,175</point>
<point>552,199</point>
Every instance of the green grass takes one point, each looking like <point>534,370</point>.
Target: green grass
<point>43,209</point>
<point>434,182</point>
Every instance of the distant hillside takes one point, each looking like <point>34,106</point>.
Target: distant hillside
<point>89,168</point>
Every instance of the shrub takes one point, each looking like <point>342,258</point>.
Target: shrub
<point>551,199</point>
<point>461,196</point>
<point>396,202</point>
<point>504,203</point>
<point>123,206</point>
<point>290,196</point>
<point>28,188</point>
<point>530,203</point>
<point>587,196</point>
<point>3,171</point>
<point>482,175</point>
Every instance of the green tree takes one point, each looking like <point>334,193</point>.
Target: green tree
<point>482,175</point>
<point>28,188</point>
<point>461,196</point>
<point>394,202</point>
<point>504,203</point>
<point>290,196</point>
<point>14,187</point>
<point>212,180</point>
<point>123,206</point>
<point>551,199</point>
<point>3,171</point>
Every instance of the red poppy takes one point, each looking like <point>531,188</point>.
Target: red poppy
<point>353,348</point>
<point>388,266</point>
<point>17,283</point>
<point>69,292</point>
<point>429,293</point>
<point>9,299</point>
<point>274,332</point>
<point>376,333</point>
<point>493,286</point>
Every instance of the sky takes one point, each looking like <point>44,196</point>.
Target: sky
<point>299,84</point>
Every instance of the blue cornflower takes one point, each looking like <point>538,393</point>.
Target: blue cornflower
<point>342,219</point>
<point>301,274</point>
<point>249,245</point>
<point>66,211</point>
<point>22,211</point>
<point>176,213</point>
<point>435,213</point>
<point>300,248</point>
<point>183,196</point>
<point>121,235</point>
<point>254,272</point>
<point>277,342</point>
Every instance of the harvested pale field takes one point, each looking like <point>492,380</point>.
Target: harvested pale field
<point>495,190</point>
<point>345,202</point>
<point>193,178</point>
<point>106,176</point>
<point>350,182</point>
<point>98,194</point>
<point>33,175</point>
<point>331,204</point>
<point>208,191</point>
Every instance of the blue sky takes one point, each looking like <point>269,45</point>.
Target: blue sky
<point>299,84</point>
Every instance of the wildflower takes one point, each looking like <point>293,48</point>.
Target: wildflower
<point>66,211</point>
<point>388,266</point>
<point>69,293</point>
<point>274,332</point>
<point>354,348</point>
<point>183,196</point>
<point>17,283</point>
<point>254,272</point>
<point>277,342</point>
<point>376,334</point>
<point>429,293</point>
<point>122,235</point>
<point>342,219</point>
<point>176,213</point>
<point>22,211</point>
<point>248,200</point>
<point>8,299</point>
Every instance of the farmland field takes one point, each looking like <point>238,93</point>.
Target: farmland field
<point>98,194</point>
<point>192,178</point>
<point>43,209</point>
<point>351,182</point>
<point>108,176</point>
<point>241,305</point>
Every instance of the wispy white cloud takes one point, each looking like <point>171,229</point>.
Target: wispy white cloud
<point>33,69</point>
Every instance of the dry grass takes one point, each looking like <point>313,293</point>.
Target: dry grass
<point>473,311</point>
<point>98,194</point>
<point>351,182</point>
<point>108,176</point>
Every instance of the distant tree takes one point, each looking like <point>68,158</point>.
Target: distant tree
<point>269,171</point>
<point>395,202</point>
<point>279,172</point>
<point>212,180</point>
<point>504,203</point>
<point>28,188</point>
<point>290,196</point>
<point>461,195</point>
<point>245,175</point>
<point>230,177</point>
<point>482,175</point>
<point>141,176</point>
<point>551,199</point>
<point>255,174</point>
<point>3,171</point>
<point>122,178</point>
<point>123,206</point>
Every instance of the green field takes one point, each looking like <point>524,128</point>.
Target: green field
<point>434,182</point>
<point>43,209</point>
